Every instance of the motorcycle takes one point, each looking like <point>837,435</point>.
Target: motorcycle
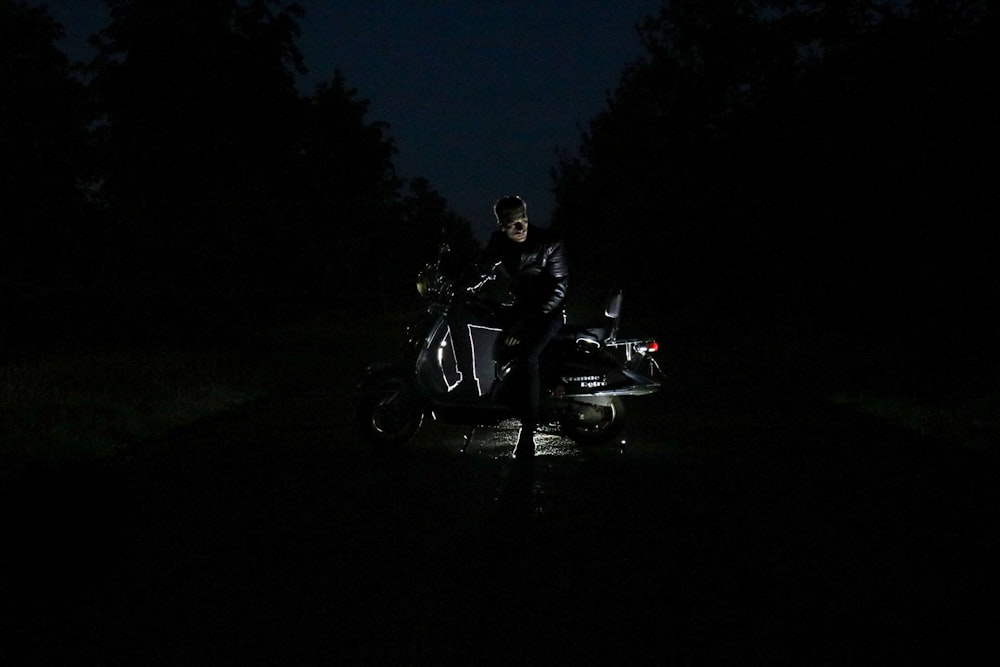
<point>452,368</point>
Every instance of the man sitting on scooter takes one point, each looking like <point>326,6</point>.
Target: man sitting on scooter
<point>539,275</point>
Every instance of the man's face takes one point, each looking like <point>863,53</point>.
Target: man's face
<point>516,227</point>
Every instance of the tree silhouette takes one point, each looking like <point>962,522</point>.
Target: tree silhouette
<point>199,107</point>
<point>829,159</point>
<point>344,191</point>
<point>43,149</point>
<point>426,212</point>
<point>221,173</point>
<point>189,179</point>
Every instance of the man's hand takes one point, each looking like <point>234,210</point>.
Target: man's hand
<point>515,334</point>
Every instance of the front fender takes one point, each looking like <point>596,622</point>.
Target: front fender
<point>380,376</point>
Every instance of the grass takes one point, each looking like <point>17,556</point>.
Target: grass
<point>942,389</point>
<point>972,423</point>
<point>92,404</point>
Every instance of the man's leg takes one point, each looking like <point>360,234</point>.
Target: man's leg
<point>535,340</point>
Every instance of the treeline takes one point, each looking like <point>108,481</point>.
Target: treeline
<point>183,161</point>
<point>818,160</point>
<point>835,162</point>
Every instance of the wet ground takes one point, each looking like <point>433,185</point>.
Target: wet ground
<point>792,533</point>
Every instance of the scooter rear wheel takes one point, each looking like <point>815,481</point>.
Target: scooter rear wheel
<point>601,432</point>
<point>389,418</point>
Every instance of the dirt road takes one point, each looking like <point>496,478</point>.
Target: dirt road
<point>780,534</point>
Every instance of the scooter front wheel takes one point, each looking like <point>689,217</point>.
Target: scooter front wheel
<point>599,429</point>
<point>389,417</point>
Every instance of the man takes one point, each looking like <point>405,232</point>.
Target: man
<point>536,265</point>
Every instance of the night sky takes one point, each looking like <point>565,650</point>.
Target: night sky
<point>478,95</point>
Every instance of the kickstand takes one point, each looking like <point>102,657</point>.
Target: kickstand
<point>468,439</point>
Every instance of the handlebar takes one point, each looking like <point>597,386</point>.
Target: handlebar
<point>431,283</point>
<point>473,289</point>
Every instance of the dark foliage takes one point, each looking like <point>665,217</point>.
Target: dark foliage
<point>183,168</point>
<point>829,161</point>
<point>43,145</point>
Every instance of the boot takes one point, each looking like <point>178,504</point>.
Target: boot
<point>525,447</point>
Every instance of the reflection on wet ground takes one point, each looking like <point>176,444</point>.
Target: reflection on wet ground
<point>495,441</point>
<point>538,484</point>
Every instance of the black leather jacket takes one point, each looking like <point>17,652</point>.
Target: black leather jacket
<point>537,267</point>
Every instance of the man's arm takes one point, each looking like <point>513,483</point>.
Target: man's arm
<point>558,272</point>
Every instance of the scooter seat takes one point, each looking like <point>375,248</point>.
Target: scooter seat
<point>576,333</point>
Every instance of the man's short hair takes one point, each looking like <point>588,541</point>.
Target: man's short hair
<point>508,208</point>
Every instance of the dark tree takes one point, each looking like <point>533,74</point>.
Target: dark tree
<point>656,179</point>
<point>345,192</point>
<point>199,108</point>
<point>43,150</point>
<point>827,159</point>
<point>223,176</point>
<point>429,223</point>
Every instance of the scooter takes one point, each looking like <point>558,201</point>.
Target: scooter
<point>452,368</point>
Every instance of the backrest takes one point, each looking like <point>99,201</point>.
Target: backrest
<point>613,308</point>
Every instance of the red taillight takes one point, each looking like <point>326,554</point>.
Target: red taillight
<point>645,347</point>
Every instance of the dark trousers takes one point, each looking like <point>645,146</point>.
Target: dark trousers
<point>534,334</point>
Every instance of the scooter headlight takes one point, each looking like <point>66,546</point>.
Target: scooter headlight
<point>425,279</point>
